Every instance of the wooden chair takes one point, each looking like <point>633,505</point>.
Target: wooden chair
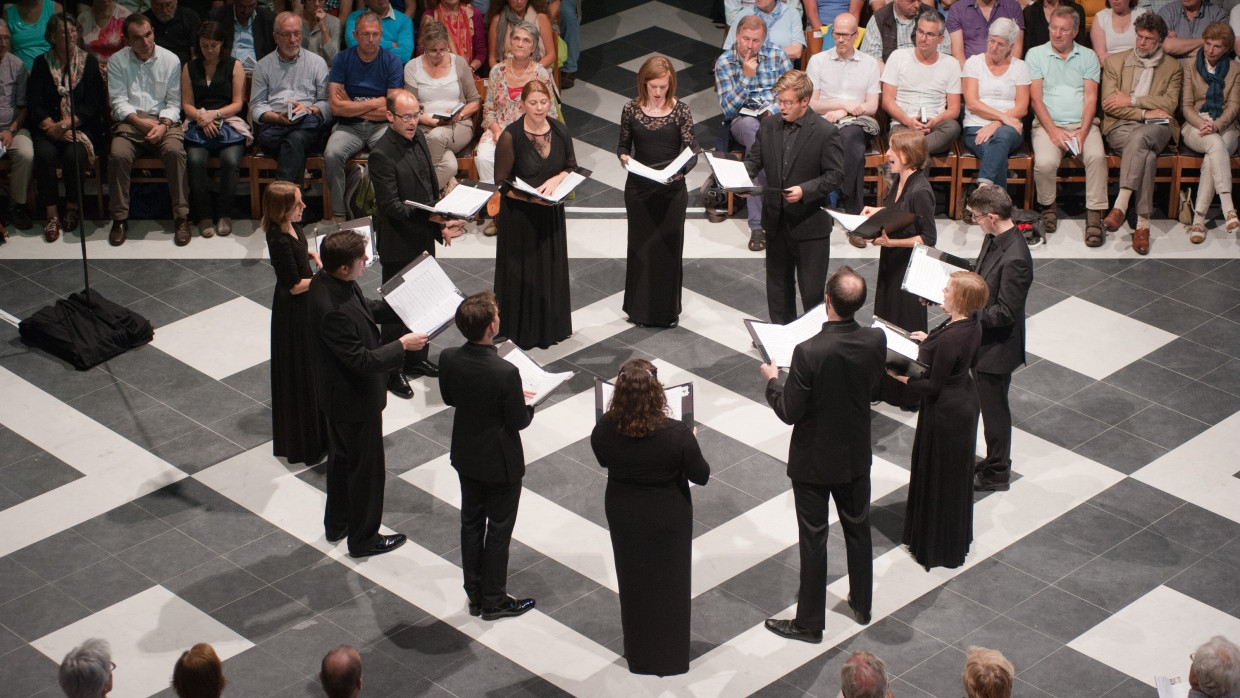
<point>94,171</point>
<point>1188,164</point>
<point>1021,162</point>
<point>262,172</point>
<point>813,45</point>
<point>875,156</point>
<point>466,163</point>
<point>943,168</point>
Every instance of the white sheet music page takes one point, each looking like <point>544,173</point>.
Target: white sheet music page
<point>780,340</point>
<point>927,276</point>
<point>461,202</point>
<point>897,342</point>
<point>730,174</point>
<point>570,182</point>
<point>675,398</point>
<point>1171,687</point>
<point>850,221</point>
<point>534,378</point>
<point>426,299</point>
<point>662,175</point>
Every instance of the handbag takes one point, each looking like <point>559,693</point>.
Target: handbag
<point>1186,206</point>
<point>226,137</point>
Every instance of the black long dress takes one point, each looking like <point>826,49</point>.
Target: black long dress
<point>938,521</point>
<point>891,303</point>
<point>656,213</point>
<point>650,517</point>
<point>299,431</point>
<point>531,253</point>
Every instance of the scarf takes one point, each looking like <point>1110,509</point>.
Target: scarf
<point>66,82</point>
<point>509,19</point>
<point>460,29</point>
<point>1142,71</point>
<point>1214,84</point>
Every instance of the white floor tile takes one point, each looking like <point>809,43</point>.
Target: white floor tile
<point>635,65</point>
<point>1090,339</point>
<point>1202,471</point>
<point>221,340</point>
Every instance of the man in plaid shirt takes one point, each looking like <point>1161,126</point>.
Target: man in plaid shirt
<point>745,77</point>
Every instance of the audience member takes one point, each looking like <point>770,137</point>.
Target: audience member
<point>1186,20</point>
<point>361,78</point>
<point>505,16</point>
<point>783,27</point>
<point>144,88</point>
<point>341,671</point>
<point>175,27</point>
<point>921,87</point>
<point>745,78</point>
<point>199,673</point>
<point>1211,104</point>
<point>996,100</point>
<point>820,16</point>
<point>103,28</point>
<point>288,82</point>
<point>894,26</point>
<point>570,32</point>
<point>1235,26</point>
<point>1038,21</point>
<point>969,21</point>
<point>396,28</point>
<point>467,34</point>
<point>987,674</point>
<point>1113,30</point>
<point>441,80</point>
<point>14,137</point>
<point>56,145</point>
<point>320,32</point>
<point>864,676</point>
<point>733,10</point>
<point>1141,90</point>
<point>1215,671</point>
<point>27,22</point>
<point>252,28</point>
<point>86,671</point>
<point>1063,92</point>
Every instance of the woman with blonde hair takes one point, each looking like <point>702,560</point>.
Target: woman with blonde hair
<point>987,674</point>
<point>440,80</point>
<point>1211,105</point>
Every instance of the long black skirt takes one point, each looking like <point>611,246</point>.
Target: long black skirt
<point>652,282</point>
<point>298,428</point>
<point>531,274</point>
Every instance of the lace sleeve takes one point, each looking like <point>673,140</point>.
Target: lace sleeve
<point>626,130</point>
<point>684,119</point>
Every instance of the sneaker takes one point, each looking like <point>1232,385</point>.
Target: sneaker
<point>206,228</point>
<point>490,230</point>
<point>225,227</point>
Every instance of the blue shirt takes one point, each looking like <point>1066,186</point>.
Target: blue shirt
<point>397,33</point>
<point>362,80</point>
<point>243,41</point>
<point>783,27</point>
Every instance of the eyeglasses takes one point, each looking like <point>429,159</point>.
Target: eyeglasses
<point>785,103</point>
<point>843,35</point>
<point>408,117</point>
<point>929,35</point>
<point>289,35</point>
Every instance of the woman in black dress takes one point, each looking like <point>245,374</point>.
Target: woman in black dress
<point>912,194</point>
<point>655,128</point>
<point>531,256</point>
<point>650,459</point>
<point>938,520</point>
<point>299,432</point>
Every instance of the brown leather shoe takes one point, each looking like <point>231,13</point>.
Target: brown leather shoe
<point>1113,220</point>
<point>856,241</point>
<point>51,231</point>
<point>1141,241</point>
<point>116,236</point>
<point>182,233</point>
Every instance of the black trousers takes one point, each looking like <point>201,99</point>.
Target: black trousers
<point>48,155</point>
<point>392,331</point>
<point>854,139</point>
<point>488,514</point>
<point>355,478</point>
<point>992,393</point>
<point>852,500</point>
<point>793,264</point>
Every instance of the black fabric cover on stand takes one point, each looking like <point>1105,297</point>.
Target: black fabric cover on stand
<point>85,329</point>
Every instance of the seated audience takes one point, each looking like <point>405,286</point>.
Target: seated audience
<point>1139,86</point>
<point>144,88</point>
<point>56,145</point>
<point>175,26</point>
<point>864,676</point>
<point>783,27</point>
<point>570,31</point>
<point>341,673</point>
<point>1186,20</point>
<point>467,34</point>
<point>894,26</point>
<point>27,21</point>
<point>846,91</point>
<point>921,87</point>
<point>252,28</point>
<point>15,138</point>
<point>1063,93</point>
<point>1038,19</point>
<point>102,25</point>
<point>969,21</point>
<point>86,671</point>
<point>505,16</point>
<point>440,80</point>
<point>1215,671</point>
<point>320,32</point>
<point>996,100</point>
<point>198,673</point>
<point>360,80</point>
<point>1211,105</point>
<point>821,14</point>
<point>290,78</point>
<point>733,10</point>
<point>1113,30</point>
<point>213,97</point>
<point>987,674</point>
<point>396,26</point>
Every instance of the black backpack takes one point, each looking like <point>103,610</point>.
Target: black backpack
<point>1032,224</point>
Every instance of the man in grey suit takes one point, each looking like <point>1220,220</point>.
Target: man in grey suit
<point>833,377</point>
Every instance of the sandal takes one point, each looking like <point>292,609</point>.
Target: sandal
<point>1094,236</point>
<point>1050,218</point>
<point>757,240</point>
<point>1233,221</point>
<point>1197,233</point>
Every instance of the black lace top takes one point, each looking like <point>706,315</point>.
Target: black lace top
<point>655,141</point>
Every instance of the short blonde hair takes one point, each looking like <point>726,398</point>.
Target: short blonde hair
<point>911,146</point>
<point>987,673</point>
<point>797,81</point>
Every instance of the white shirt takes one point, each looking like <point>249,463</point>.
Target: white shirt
<point>153,87</point>
<point>995,91</point>
<point>919,85</point>
<point>849,80</point>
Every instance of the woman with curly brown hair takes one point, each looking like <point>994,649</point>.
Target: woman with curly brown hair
<point>650,459</point>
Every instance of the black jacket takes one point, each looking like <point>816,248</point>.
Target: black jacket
<point>395,171</point>
<point>815,163</point>
<point>263,27</point>
<point>490,411</point>
<point>1008,271</point>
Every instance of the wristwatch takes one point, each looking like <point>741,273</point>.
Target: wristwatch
<point>165,121</point>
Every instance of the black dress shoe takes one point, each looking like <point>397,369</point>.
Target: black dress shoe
<point>475,607</point>
<point>385,544</point>
<point>422,368</point>
<point>336,537</point>
<point>398,386</point>
<point>18,216</point>
<point>788,628</point>
<point>508,609</point>
<point>861,618</point>
<point>116,236</point>
<point>988,484</point>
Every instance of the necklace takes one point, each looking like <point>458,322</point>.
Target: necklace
<point>525,73</point>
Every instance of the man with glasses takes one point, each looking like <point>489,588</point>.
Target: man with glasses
<point>320,32</point>
<point>892,27</point>
<point>86,670</point>
<point>1140,94</point>
<point>175,27</point>
<point>402,171</point>
<point>289,101</point>
<point>846,91</point>
<point>361,78</point>
<point>921,86</point>
<point>783,27</point>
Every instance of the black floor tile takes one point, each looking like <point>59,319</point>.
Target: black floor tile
<point>1068,672</point>
<point>1120,450</point>
<point>1163,426</point>
<point>1128,571</point>
<point>214,584</point>
<point>1058,614</point>
<point>262,614</point>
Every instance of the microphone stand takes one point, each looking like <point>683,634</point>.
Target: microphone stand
<point>66,77</point>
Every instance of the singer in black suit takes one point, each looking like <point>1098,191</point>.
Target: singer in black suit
<point>1007,267</point>
<point>802,156</point>
<point>486,452</point>
<point>401,170</point>
<point>826,398</point>
<point>350,365</point>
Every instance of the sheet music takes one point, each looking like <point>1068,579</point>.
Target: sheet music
<point>897,342</point>
<point>850,221</point>
<point>361,225</point>
<point>290,106</point>
<point>779,340</point>
<point>730,174</point>
<point>534,378</point>
<point>567,186</point>
<point>450,113</point>
<point>462,202</point>
<point>662,175</point>
<point>1171,687</point>
<point>927,276</point>
<point>677,397</point>
<point>425,299</point>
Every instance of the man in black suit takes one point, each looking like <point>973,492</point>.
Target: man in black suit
<point>486,452</point>
<point>350,364</point>
<point>1007,267</point>
<point>833,377</point>
<point>401,170</point>
<point>803,159</point>
<point>253,28</point>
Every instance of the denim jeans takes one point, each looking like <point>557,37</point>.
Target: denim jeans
<point>199,194</point>
<point>994,152</point>
<point>570,31</point>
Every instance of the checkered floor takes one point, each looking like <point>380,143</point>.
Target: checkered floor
<point>139,500</point>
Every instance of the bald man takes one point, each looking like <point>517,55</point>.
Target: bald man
<point>341,673</point>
